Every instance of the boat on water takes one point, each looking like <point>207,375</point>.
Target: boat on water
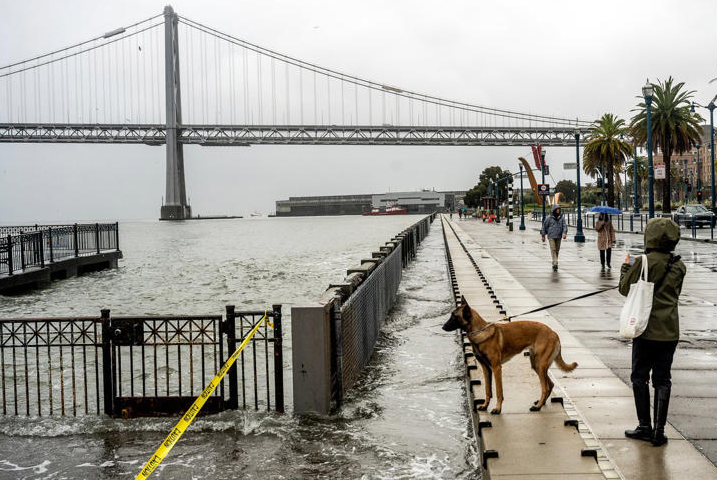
<point>390,210</point>
<point>255,214</point>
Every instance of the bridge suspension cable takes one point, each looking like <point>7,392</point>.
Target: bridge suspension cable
<point>411,96</point>
<point>119,79</point>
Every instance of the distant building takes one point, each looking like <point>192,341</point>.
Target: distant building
<point>688,163</point>
<point>424,201</point>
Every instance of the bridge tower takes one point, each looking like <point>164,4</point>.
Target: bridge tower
<point>175,206</point>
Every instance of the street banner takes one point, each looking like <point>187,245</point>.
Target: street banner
<point>544,189</point>
<point>537,149</point>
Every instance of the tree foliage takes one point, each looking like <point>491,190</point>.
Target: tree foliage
<point>481,189</point>
<point>606,148</point>
<point>674,128</point>
<point>568,188</point>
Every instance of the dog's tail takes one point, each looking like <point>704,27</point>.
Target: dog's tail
<point>562,365</point>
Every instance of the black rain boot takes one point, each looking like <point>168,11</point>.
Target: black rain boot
<point>642,407</point>
<point>662,402</point>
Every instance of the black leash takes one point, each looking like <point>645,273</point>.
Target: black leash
<point>560,303</point>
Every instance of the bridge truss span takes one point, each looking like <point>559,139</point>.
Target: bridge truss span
<point>245,135</point>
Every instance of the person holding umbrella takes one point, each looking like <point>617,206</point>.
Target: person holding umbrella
<point>605,238</point>
<point>606,232</point>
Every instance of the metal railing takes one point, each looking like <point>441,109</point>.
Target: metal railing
<point>132,366</point>
<point>52,243</point>
<point>357,317</point>
<point>636,222</point>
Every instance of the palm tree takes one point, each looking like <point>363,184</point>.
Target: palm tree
<point>606,148</point>
<point>674,127</point>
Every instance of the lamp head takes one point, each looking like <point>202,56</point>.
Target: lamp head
<point>692,107</point>
<point>648,90</point>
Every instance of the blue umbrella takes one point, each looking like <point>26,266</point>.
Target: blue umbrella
<point>608,210</point>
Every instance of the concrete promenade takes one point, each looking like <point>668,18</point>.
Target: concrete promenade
<point>518,266</point>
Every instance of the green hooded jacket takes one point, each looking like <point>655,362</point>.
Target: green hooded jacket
<point>661,237</point>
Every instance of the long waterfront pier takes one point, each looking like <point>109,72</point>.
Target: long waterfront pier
<point>579,434</point>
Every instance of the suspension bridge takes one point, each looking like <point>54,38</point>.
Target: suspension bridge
<point>124,87</point>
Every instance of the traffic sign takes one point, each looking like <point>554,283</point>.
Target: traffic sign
<point>570,166</point>
<point>660,171</point>
<point>544,189</point>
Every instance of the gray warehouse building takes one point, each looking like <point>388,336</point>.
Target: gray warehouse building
<point>423,201</point>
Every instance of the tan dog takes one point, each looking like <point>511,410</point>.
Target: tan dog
<point>496,343</point>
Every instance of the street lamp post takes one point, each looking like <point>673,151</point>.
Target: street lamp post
<point>579,236</point>
<point>636,210</point>
<point>542,176</point>
<point>522,216</point>
<point>647,92</point>
<point>711,107</point>
<point>497,199</point>
<point>699,169</point>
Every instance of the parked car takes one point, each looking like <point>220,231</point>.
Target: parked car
<point>702,216</point>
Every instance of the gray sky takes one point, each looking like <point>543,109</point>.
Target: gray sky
<point>568,58</point>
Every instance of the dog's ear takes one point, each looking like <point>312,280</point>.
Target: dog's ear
<point>467,312</point>
<point>463,300</point>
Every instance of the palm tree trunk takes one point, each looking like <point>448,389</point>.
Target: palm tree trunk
<point>666,189</point>
<point>610,175</point>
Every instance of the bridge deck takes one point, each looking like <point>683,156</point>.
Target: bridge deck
<point>592,393</point>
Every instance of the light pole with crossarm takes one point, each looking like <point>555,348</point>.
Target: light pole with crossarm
<point>711,107</point>
<point>647,92</point>
<point>579,236</point>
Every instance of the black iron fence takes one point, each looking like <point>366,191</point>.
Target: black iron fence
<point>695,226</point>
<point>138,365</point>
<point>44,244</point>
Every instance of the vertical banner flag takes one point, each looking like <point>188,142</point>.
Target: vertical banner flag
<point>537,150</point>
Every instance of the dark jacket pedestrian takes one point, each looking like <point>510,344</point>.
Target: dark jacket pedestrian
<point>606,238</point>
<point>556,229</point>
<point>653,351</point>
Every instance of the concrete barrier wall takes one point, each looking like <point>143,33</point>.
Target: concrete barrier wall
<point>321,336</point>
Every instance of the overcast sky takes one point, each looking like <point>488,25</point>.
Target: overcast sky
<point>568,58</point>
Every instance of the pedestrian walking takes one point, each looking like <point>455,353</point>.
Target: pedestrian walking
<point>654,349</point>
<point>460,213</point>
<point>605,239</point>
<point>556,229</point>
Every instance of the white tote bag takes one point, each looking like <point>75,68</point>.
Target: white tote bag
<point>636,311</point>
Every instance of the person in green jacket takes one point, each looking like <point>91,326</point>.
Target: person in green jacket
<point>655,348</point>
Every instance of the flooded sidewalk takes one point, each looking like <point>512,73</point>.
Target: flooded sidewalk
<point>594,320</point>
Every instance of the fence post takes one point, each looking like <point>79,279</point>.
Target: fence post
<point>49,236</point>
<point>9,254</point>
<point>117,235</point>
<point>230,331</point>
<point>278,361</point>
<point>107,368</point>
<point>41,241</point>
<point>338,336</point>
<point>22,250</point>
<point>74,234</point>
<point>97,237</point>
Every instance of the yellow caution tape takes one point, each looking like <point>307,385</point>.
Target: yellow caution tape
<point>189,415</point>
